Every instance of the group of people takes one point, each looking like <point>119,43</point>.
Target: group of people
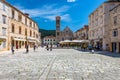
<point>26,47</point>
<point>49,47</point>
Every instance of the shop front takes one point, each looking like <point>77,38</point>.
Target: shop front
<point>31,43</point>
<point>115,47</point>
<point>119,47</point>
<point>18,43</point>
<point>97,43</point>
<point>3,44</point>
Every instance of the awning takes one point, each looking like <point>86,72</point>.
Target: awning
<point>74,41</point>
<point>17,39</point>
<point>31,41</point>
<point>65,41</point>
<point>3,37</point>
<point>85,41</point>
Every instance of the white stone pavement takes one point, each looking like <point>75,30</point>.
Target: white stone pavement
<point>59,64</point>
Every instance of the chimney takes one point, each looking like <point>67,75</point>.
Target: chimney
<point>26,14</point>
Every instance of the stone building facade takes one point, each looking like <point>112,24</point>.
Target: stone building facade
<point>115,29</point>
<point>22,30</point>
<point>82,34</point>
<point>49,40</point>
<point>66,34</point>
<point>4,14</point>
<point>99,25</point>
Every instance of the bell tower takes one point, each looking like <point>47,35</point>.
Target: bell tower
<point>58,18</point>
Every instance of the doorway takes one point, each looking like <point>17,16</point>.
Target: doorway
<point>119,47</point>
<point>114,47</point>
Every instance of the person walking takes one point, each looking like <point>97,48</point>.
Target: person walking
<point>84,46</point>
<point>27,50</point>
<point>17,47</point>
<point>51,47</point>
<point>12,49</point>
<point>47,47</point>
<point>34,47</point>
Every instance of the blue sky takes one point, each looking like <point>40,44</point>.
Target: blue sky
<point>74,13</point>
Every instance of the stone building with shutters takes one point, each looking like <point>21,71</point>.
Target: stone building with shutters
<point>82,34</point>
<point>99,21</point>
<point>115,29</point>
<point>4,24</point>
<point>48,40</point>
<point>22,30</point>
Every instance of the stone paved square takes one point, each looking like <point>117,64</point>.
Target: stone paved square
<point>59,64</point>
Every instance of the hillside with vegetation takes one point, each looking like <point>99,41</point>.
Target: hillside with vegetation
<point>45,33</point>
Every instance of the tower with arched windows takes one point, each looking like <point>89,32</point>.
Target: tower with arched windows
<point>58,18</point>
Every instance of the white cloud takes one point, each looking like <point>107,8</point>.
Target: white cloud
<point>48,12</point>
<point>66,17</point>
<point>71,0</point>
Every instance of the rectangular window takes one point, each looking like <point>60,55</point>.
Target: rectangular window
<point>3,31</point>
<point>115,32</point>
<point>34,34</point>
<point>25,21</point>
<point>13,14</point>
<point>13,28</point>
<point>4,7</point>
<point>19,17</point>
<point>4,44</point>
<point>30,24</point>
<point>30,33</point>
<point>26,32</point>
<point>115,20</point>
<point>20,30</point>
<point>4,19</point>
